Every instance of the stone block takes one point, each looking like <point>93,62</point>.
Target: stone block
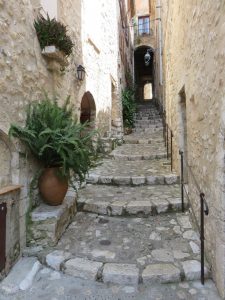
<point>96,207</point>
<point>192,269</point>
<point>105,179</point>
<point>162,255</point>
<point>163,273</point>
<point>122,180</point>
<point>135,207</point>
<point>138,180</point>
<point>120,273</point>
<point>161,205</point>
<point>171,179</point>
<point>92,178</point>
<point>117,207</point>
<point>56,258</point>
<point>83,268</point>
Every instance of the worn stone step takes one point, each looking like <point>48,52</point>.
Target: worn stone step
<point>129,201</point>
<point>139,152</point>
<point>144,138</point>
<point>152,121</point>
<point>148,130</point>
<point>161,248</point>
<point>116,172</point>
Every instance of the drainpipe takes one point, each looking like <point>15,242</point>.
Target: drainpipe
<point>160,41</point>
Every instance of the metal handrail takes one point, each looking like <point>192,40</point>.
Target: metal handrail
<point>171,144</point>
<point>204,210</point>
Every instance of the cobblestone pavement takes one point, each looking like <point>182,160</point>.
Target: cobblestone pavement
<point>167,238</point>
<point>129,239</point>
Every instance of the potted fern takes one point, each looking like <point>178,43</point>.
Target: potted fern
<point>53,38</point>
<point>63,146</point>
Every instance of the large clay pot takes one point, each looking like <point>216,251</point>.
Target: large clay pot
<point>52,186</point>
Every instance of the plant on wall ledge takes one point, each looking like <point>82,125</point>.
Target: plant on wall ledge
<point>51,32</point>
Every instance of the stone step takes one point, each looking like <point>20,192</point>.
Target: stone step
<point>129,201</point>
<point>116,172</point>
<point>148,130</point>
<point>153,127</point>
<point>144,138</point>
<point>139,152</point>
<point>148,122</point>
<point>161,248</point>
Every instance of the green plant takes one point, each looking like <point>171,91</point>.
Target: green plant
<point>129,107</point>
<point>52,32</point>
<point>56,139</point>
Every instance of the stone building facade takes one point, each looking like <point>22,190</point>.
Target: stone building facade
<point>193,95</point>
<point>147,39</point>
<point>25,73</point>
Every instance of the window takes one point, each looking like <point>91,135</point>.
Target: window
<point>50,7</point>
<point>143,25</point>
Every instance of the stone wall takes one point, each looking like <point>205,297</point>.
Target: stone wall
<point>194,61</point>
<point>25,74</point>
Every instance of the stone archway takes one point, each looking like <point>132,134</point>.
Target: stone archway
<point>87,108</point>
<point>143,74</point>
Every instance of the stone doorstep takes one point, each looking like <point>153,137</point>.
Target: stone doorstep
<point>134,180</point>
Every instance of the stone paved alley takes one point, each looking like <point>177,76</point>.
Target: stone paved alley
<point>128,240</point>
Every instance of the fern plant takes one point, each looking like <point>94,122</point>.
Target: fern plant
<point>56,139</point>
<point>129,107</point>
<point>52,32</point>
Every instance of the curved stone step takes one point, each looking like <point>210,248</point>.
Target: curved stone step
<point>116,172</point>
<point>160,248</point>
<point>139,152</point>
<point>129,201</point>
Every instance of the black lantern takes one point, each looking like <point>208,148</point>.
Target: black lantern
<point>80,72</point>
<point>147,57</point>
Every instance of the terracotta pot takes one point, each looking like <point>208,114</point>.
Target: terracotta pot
<point>52,187</point>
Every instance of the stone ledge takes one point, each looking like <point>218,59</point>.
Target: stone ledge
<point>49,222</point>
<point>9,189</point>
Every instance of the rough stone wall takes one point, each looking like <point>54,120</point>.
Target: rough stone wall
<point>194,60</point>
<point>25,74</point>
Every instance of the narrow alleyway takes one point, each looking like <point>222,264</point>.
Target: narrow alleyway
<point>128,233</point>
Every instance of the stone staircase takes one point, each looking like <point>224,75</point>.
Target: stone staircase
<point>129,229</point>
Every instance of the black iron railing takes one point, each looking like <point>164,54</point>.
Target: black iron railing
<point>204,210</point>
<point>169,144</point>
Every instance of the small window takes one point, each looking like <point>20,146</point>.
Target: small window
<point>143,25</point>
<point>50,7</point>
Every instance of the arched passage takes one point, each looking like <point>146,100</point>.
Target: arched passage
<point>144,74</point>
<point>88,108</point>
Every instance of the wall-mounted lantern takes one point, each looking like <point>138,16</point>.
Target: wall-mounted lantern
<point>80,73</point>
<point>147,57</point>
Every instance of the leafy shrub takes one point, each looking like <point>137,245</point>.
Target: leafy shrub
<point>52,32</point>
<point>56,139</point>
<point>129,107</point>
